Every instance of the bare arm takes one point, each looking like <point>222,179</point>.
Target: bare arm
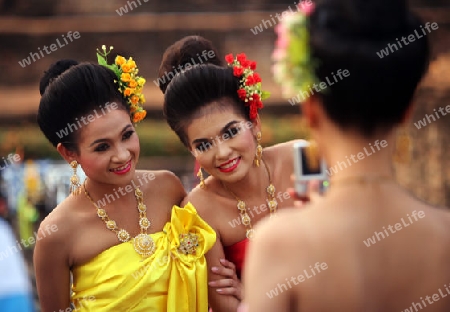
<point>52,269</point>
<point>217,301</point>
<point>229,284</point>
<point>265,285</point>
<point>225,299</point>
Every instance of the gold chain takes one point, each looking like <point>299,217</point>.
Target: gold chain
<point>242,207</point>
<point>143,243</point>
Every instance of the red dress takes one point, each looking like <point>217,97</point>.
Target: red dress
<point>236,254</point>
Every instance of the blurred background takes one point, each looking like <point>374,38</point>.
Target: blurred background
<point>32,183</point>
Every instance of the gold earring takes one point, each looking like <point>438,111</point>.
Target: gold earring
<point>259,150</point>
<point>75,185</point>
<point>202,180</point>
<point>403,147</point>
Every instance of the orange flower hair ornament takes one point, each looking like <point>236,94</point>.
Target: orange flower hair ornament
<point>250,82</point>
<point>130,84</point>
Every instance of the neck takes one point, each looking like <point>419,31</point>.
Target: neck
<point>252,185</point>
<point>351,155</point>
<point>108,194</point>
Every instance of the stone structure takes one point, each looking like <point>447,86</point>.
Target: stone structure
<point>144,32</point>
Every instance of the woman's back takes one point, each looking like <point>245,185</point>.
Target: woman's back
<point>386,252</point>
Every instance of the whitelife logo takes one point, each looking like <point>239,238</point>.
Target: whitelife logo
<point>53,47</point>
<point>318,268</point>
<point>318,87</point>
<point>407,40</point>
<point>398,226</point>
<point>169,75</point>
<point>124,9</point>
<point>71,127</point>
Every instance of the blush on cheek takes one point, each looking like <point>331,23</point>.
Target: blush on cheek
<point>91,166</point>
<point>248,139</point>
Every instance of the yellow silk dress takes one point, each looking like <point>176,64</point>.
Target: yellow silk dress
<point>172,279</point>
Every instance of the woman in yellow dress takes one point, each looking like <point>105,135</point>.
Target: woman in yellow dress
<point>120,235</point>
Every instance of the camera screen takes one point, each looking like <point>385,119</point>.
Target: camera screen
<point>309,166</point>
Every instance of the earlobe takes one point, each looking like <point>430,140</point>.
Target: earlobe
<point>68,155</point>
<point>307,111</point>
<point>408,114</point>
<point>312,111</point>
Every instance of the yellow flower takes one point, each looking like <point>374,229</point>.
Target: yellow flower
<point>132,83</point>
<point>138,116</point>
<point>141,81</point>
<point>142,98</point>
<point>128,91</point>
<point>134,99</point>
<point>125,77</point>
<point>120,60</point>
<point>131,63</point>
<point>125,68</point>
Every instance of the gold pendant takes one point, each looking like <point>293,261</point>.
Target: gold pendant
<point>144,245</point>
<point>250,233</point>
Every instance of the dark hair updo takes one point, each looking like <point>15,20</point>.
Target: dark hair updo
<point>69,91</point>
<point>347,35</point>
<point>183,52</point>
<point>194,89</point>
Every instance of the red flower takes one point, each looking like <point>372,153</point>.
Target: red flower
<point>241,57</point>
<point>244,69</point>
<point>229,58</point>
<point>253,79</point>
<point>253,112</point>
<point>242,94</point>
<point>259,104</point>
<point>246,63</point>
<point>238,71</point>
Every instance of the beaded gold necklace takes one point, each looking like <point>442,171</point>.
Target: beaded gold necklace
<point>242,207</point>
<point>143,243</point>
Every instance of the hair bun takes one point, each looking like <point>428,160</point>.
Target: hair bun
<point>187,50</point>
<point>367,18</point>
<point>54,71</point>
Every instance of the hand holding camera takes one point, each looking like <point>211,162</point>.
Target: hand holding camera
<point>310,171</point>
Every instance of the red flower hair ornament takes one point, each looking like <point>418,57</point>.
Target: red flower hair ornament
<point>250,82</point>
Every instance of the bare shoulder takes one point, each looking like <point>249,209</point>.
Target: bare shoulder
<point>164,183</point>
<point>57,230</point>
<point>440,219</point>
<point>284,148</point>
<point>291,230</point>
<point>158,177</point>
<point>202,199</point>
<point>282,154</point>
<point>279,243</point>
<point>283,232</point>
<point>58,220</point>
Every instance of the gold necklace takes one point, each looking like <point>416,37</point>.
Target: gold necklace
<point>143,243</point>
<point>272,202</point>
